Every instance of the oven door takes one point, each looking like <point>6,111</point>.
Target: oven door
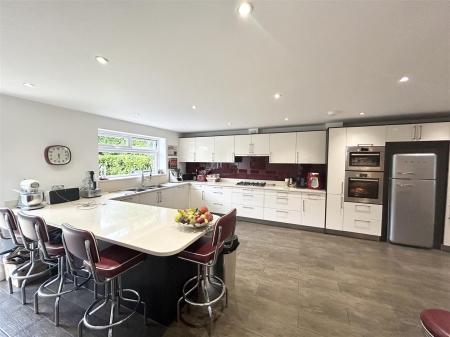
<point>365,158</point>
<point>364,187</point>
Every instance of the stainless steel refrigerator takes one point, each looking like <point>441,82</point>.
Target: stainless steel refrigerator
<point>412,203</point>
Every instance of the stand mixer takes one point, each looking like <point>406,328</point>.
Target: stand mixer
<point>29,195</point>
<point>89,188</point>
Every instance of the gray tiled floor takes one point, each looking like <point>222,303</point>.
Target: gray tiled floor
<point>291,283</point>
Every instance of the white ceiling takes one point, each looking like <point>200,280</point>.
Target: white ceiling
<point>166,56</point>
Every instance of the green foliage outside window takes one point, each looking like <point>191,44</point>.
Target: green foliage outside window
<point>112,140</point>
<point>124,163</point>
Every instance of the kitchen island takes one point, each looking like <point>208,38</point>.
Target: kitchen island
<point>148,229</point>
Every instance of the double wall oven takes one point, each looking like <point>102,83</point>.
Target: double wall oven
<point>364,174</point>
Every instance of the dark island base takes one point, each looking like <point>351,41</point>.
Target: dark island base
<point>159,281</point>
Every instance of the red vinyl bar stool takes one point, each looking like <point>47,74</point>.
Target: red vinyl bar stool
<point>435,322</point>
<point>34,230</point>
<point>106,267</point>
<point>10,221</point>
<point>206,289</point>
<point>31,246</point>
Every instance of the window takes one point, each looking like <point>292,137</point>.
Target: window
<point>124,154</point>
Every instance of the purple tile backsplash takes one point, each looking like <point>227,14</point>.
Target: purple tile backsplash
<point>259,168</point>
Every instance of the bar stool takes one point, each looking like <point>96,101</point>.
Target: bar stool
<point>435,322</point>
<point>35,230</point>
<point>204,252</point>
<point>106,267</point>
<point>10,221</point>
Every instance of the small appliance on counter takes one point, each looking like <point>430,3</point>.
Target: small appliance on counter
<point>175,176</point>
<point>201,175</point>
<point>59,194</point>
<point>213,178</point>
<point>29,195</point>
<point>188,176</point>
<point>313,181</point>
<point>89,188</point>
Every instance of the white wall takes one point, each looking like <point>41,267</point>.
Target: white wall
<point>27,127</point>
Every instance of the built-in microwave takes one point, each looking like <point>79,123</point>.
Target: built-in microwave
<point>364,187</point>
<point>365,158</point>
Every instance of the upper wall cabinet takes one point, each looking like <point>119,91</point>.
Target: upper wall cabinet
<point>311,147</point>
<point>282,148</point>
<point>248,145</point>
<point>186,151</point>
<point>204,149</point>
<point>418,132</point>
<point>366,135</point>
<point>224,149</point>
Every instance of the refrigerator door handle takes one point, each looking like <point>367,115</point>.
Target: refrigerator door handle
<point>414,132</point>
<point>405,173</point>
<point>404,185</point>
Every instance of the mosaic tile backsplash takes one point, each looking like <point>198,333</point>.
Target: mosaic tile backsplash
<point>259,168</point>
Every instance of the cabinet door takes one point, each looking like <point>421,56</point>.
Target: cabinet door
<point>282,148</point>
<point>186,150</point>
<point>335,212</point>
<point>336,160</point>
<point>204,148</point>
<point>366,135</point>
<point>313,211</point>
<point>434,131</point>
<point>260,144</point>
<point>180,197</point>
<point>311,147</point>
<point>135,199</point>
<point>224,149</point>
<point>150,198</point>
<point>166,198</point>
<point>196,197</point>
<point>242,144</point>
<point>400,133</point>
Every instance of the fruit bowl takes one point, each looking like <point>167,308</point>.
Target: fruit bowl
<point>194,217</point>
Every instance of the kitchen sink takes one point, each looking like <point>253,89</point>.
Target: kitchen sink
<point>142,189</point>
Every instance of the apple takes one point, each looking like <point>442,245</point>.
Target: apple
<point>203,210</point>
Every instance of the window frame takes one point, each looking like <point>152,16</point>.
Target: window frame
<point>129,149</point>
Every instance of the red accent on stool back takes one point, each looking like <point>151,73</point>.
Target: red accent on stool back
<point>75,243</point>
<point>10,221</point>
<point>227,224</point>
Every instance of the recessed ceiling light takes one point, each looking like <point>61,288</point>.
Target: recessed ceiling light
<point>404,79</point>
<point>286,119</point>
<point>28,84</point>
<point>362,113</point>
<point>331,113</point>
<point>194,107</point>
<point>245,9</point>
<point>229,123</point>
<point>102,60</point>
<point>277,95</point>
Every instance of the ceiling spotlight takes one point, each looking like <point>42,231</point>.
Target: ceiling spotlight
<point>28,85</point>
<point>101,60</point>
<point>194,107</point>
<point>229,123</point>
<point>277,95</point>
<point>362,113</point>
<point>404,79</point>
<point>245,9</point>
<point>331,113</point>
<point>286,119</point>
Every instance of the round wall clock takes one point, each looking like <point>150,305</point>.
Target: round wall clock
<point>57,155</point>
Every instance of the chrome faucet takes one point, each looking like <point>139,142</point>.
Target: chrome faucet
<point>145,178</point>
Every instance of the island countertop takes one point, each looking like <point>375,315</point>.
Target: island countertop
<point>148,229</point>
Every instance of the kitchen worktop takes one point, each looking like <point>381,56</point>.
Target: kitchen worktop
<point>149,229</point>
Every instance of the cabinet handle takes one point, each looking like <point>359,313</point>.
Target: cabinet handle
<point>342,203</point>
<point>248,195</point>
<point>297,156</point>
<point>247,207</point>
<point>217,203</point>
<point>280,211</point>
<point>282,198</point>
<point>247,189</point>
<point>420,132</point>
<point>342,187</point>
<point>270,157</point>
<point>364,144</point>
<point>160,197</point>
<point>212,157</point>
<point>414,132</point>
<point>218,192</point>
<point>303,202</point>
<point>195,157</point>
<point>203,192</point>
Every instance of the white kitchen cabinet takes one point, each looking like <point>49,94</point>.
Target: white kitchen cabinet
<point>335,212</point>
<point>180,197</point>
<point>366,135</point>
<point>282,148</point>
<point>186,151</point>
<point>248,145</point>
<point>204,149</point>
<point>135,199</point>
<point>196,196</point>
<point>281,215</point>
<point>313,210</point>
<point>247,197</point>
<point>166,198</point>
<point>252,212</point>
<point>224,149</point>
<point>311,147</point>
<point>282,200</point>
<point>418,132</point>
<point>218,198</point>
<point>337,140</point>
<point>362,218</point>
<point>150,198</point>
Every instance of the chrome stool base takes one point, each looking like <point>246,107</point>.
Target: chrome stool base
<point>115,297</point>
<point>203,290</point>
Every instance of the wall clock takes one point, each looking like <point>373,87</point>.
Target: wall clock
<point>57,155</point>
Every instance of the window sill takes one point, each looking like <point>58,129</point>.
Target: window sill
<point>129,177</point>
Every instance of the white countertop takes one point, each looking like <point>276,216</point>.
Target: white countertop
<point>148,229</point>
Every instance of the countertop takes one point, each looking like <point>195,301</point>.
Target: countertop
<point>148,229</point>
<point>269,186</point>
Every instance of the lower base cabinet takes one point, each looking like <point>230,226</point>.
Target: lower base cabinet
<point>335,212</point>
<point>313,210</point>
<point>362,218</point>
<point>281,215</point>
